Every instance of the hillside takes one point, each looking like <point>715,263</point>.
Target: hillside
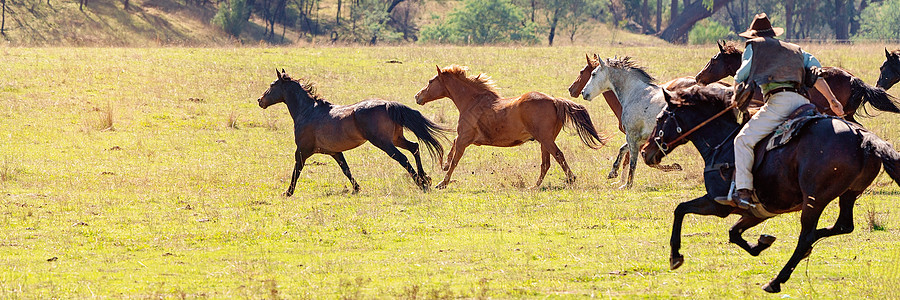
<point>148,23</point>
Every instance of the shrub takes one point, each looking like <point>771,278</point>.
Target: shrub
<point>482,22</point>
<point>707,32</point>
<point>232,16</point>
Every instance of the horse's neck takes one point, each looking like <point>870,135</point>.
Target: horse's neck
<point>299,104</point>
<point>465,96</point>
<point>631,90</point>
<point>714,138</point>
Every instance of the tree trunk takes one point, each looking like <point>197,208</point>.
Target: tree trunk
<point>788,19</point>
<point>692,14</point>
<point>3,18</point>
<point>658,15</point>
<point>841,21</point>
<point>645,16</point>
<point>337,19</point>
<point>673,12</point>
<point>393,4</point>
<point>854,24</point>
<point>553,22</point>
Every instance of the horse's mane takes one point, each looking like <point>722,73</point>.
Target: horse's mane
<point>896,52</point>
<point>714,94</point>
<point>480,81</point>
<point>731,48</point>
<point>628,64</point>
<point>309,87</point>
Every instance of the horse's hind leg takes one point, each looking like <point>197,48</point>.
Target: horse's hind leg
<point>339,157</point>
<point>395,153</point>
<point>615,167</point>
<point>701,206</point>
<point>299,160</point>
<point>545,165</point>
<point>844,223</point>
<point>561,159</point>
<point>421,178</point>
<point>736,232</point>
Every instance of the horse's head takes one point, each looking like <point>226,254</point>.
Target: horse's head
<point>685,109</point>
<point>598,81</point>
<point>583,76</point>
<point>723,64</point>
<point>276,91</point>
<point>890,70</point>
<point>434,90</point>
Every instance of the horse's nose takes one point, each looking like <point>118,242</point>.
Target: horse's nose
<point>586,95</point>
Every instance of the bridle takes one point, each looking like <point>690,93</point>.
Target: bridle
<point>664,146</point>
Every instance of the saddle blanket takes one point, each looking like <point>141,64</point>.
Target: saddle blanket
<point>790,128</point>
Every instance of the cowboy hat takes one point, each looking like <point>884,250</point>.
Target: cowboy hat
<point>761,27</point>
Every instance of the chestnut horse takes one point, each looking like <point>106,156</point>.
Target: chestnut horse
<point>487,119</point>
<point>323,127</point>
<point>798,176</point>
<point>890,69</point>
<point>851,91</point>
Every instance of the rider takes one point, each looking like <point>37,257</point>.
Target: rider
<point>779,68</point>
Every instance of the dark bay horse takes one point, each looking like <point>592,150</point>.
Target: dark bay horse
<point>890,70</point>
<point>487,119</point>
<point>798,176</point>
<point>851,91</point>
<point>323,127</point>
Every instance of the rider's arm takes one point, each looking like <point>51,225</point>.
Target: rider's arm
<point>810,61</point>
<point>744,71</point>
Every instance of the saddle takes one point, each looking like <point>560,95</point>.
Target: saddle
<point>783,134</point>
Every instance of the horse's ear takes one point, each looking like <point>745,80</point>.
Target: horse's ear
<point>667,96</point>
<point>282,71</point>
<point>438,69</point>
<point>602,63</point>
<point>721,45</point>
<point>887,54</point>
<point>277,74</point>
<point>588,58</point>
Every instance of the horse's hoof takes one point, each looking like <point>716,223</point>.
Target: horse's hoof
<point>612,175</point>
<point>287,194</point>
<point>441,186</point>
<point>766,239</point>
<point>772,287</point>
<point>625,186</point>
<point>676,167</point>
<point>676,261</point>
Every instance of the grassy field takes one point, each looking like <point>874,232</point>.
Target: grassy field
<point>147,173</point>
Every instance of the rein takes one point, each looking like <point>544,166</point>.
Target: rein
<point>692,130</point>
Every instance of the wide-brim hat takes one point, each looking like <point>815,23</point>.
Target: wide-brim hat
<point>761,27</point>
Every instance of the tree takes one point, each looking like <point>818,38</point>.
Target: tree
<point>232,16</point>
<point>693,13</point>
<point>482,22</point>
<point>3,21</point>
<point>879,21</point>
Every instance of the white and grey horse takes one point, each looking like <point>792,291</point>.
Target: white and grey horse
<point>642,101</point>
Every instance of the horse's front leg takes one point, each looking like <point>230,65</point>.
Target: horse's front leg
<point>809,218</point>
<point>456,154</point>
<point>299,160</point>
<point>615,167</point>
<point>446,165</point>
<point>746,222</point>
<point>634,149</point>
<point>701,206</point>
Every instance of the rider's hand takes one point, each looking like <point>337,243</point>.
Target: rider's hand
<point>837,108</point>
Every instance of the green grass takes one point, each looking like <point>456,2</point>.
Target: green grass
<point>181,197</point>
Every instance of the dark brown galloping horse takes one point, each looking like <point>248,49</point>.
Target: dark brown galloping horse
<point>798,176</point>
<point>851,91</point>
<point>323,127</point>
<point>890,69</point>
<point>487,119</point>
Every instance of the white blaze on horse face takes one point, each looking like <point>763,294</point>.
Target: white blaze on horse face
<point>598,83</point>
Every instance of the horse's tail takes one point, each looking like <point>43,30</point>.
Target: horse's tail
<point>428,132</point>
<point>577,115</point>
<point>860,93</point>
<point>890,158</point>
